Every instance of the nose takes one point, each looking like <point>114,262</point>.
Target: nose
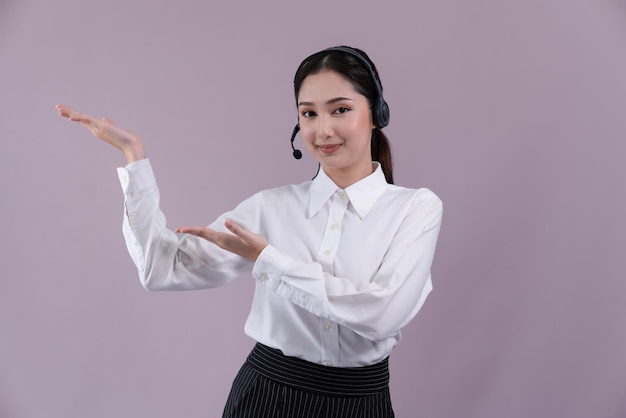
<point>324,127</point>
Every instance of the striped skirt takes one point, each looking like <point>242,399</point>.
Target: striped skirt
<point>272,385</point>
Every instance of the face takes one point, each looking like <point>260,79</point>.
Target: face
<point>336,126</point>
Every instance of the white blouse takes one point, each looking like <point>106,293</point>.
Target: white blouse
<point>344,271</point>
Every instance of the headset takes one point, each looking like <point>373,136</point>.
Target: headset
<point>380,108</point>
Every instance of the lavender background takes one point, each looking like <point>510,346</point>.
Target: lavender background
<point>512,111</point>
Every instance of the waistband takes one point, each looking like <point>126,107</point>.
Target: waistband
<point>312,377</point>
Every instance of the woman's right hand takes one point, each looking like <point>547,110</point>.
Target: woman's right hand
<point>128,142</point>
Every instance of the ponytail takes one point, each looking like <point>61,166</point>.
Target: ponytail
<point>381,152</point>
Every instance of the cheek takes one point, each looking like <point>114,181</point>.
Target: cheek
<point>308,134</point>
<point>360,129</point>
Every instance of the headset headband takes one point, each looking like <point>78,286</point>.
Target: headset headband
<point>380,108</point>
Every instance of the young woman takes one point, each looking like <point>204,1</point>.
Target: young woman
<point>341,263</point>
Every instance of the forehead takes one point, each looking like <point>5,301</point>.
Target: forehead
<point>324,85</point>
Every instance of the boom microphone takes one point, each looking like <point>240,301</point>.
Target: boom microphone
<point>296,152</point>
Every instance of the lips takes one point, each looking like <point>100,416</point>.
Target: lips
<point>329,149</point>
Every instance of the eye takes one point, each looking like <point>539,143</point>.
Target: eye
<point>308,113</point>
<point>341,110</point>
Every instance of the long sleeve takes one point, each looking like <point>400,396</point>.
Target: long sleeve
<point>344,272</point>
<point>166,260</point>
<point>377,308</point>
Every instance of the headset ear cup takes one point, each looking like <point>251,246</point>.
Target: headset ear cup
<point>382,114</point>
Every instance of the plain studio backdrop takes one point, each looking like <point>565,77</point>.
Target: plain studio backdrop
<point>511,111</point>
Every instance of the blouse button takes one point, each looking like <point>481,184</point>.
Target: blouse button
<point>264,277</point>
<point>327,252</point>
<point>333,227</point>
<point>328,327</point>
<point>342,195</point>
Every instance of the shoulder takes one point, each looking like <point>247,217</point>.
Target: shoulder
<point>277,203</point>
<point>426,195</point>
<point>421,196</point>
<point>421,209</point>
<point>285,194</point>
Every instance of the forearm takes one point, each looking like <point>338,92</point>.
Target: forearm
<point>375,309</point>
<point>134,152</point>
<point>164,260</point>
<point>376,302</point>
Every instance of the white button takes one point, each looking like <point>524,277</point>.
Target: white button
<point>327,252</point>
<point>330,363</point>
<point>264,277</point>
<point>342,195</point>
<point>333,227</point>
<point>328,327</point>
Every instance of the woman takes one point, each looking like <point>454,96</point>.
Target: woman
<point>341,263</point>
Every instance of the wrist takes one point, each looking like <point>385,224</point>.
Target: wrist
<point>134,153</point>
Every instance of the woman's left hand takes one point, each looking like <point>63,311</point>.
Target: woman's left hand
<point>242,242</point>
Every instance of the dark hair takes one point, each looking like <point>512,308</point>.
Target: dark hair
<point>354,71</point>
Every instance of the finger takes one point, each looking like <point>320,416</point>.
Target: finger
<point>225,240</point>
<point>195,230</point>
<point>108,121</point>
<point>253,243</point>
<point>235,228</point>
<point>74,115</point>
<point>63,110</point>
<point>239,231</point>
<point>200,231</point>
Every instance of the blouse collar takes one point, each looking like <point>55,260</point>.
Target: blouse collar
<point>362,194</point>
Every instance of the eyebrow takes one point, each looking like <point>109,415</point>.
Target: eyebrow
<point>329,102</point>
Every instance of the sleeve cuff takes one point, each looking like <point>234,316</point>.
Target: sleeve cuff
<point>270,266</point>
<point>136,177</point>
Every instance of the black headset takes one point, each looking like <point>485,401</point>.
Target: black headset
<point>380,108</point>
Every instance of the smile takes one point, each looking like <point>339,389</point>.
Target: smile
<point>329,149</point>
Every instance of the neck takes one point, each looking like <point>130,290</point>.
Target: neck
<point>344,178</point>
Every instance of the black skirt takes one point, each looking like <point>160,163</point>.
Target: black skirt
<point>271,385</point>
